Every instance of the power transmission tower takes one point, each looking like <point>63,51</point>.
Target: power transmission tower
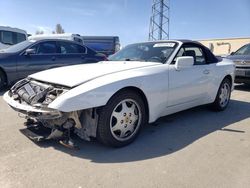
<point>159,20</point>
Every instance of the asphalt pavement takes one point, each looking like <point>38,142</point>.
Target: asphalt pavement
<point>193,148</point>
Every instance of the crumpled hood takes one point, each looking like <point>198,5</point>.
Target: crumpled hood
<point>71,76</point>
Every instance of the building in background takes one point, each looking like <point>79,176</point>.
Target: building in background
<point>225,46</point>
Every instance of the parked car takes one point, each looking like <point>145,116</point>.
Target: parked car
<point>28,57</point>
<point>65,36</point>
<point>10,36</point>
<point>107,45</point>
<point>112,100</point>
<point>241,59</point>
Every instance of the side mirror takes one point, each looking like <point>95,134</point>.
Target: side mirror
<point>184,62</point>
<point>232,53</point>
<point>29,51</point>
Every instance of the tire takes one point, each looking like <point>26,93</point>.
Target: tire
<point>2,80</point>
<point>223,96</point>
<point>121,119</point>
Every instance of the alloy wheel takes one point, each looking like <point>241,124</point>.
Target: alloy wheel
<point>125,119</point>
<point>224,94</point>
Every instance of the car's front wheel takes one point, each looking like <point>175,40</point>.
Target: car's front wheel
<point>121,119</point>
<point>223,95</point>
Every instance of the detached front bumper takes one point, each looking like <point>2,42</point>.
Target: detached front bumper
<point>31,111</point>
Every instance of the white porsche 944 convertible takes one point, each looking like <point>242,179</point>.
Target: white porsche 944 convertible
<point>112,100</point>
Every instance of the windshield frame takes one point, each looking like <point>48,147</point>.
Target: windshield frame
<point>152,43</point>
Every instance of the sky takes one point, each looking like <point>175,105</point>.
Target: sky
<point>129,19</point>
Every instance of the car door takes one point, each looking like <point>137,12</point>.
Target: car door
<point>70,53</point>
<point>189,86</point>
<point>43,57</point>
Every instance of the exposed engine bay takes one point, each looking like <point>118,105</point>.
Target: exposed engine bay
<point>35,93</point>
<point>35,96</point>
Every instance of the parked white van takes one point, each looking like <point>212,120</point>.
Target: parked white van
<point>65,36</point>
<point>10,36</point>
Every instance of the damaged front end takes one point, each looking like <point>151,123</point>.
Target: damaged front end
<point>31,98</point>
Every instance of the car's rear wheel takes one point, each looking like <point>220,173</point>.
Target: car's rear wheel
<point>121,119</point>
<point>223,95</point>
<point>2,80</point>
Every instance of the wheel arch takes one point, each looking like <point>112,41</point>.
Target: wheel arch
<point>138,91</point>
<point>229,77</point>
<point>215,104</point>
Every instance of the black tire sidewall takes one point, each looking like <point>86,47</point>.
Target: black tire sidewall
<point>103,130</point>
<point>216,104</point>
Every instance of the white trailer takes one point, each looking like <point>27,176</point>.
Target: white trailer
<point>10,36</point>
<point>65,36</point>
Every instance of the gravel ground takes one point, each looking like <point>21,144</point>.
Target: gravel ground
<point>194,148</point>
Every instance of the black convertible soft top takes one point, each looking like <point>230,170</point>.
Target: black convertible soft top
<point>210,57</point>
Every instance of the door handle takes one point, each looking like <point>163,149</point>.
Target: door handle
<point>53,58</point>
<point>206,71</point>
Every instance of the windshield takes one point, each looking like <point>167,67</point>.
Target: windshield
<point>17,47</point>
<point>245,50</point>
<point>152,52</point>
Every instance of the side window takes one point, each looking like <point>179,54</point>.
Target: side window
<point>78,40</point>
<point>7,37</point>
<point>197,54</point>
<point>70,48</point>
<point>82,49</point>
<point>20,37</point>
<point>35,47</point>
<point>46,48</point>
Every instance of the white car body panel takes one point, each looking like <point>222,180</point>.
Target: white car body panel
<point>86,72</point>
<point>97,92</point>
<point>163,97</point>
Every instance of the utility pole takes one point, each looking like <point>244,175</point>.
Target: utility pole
<point>159,20</point>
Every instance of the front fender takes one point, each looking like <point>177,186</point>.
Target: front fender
<point>94,93</point>
<point>152,81</point>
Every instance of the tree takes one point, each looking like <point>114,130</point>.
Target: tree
<point>59,29</point>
